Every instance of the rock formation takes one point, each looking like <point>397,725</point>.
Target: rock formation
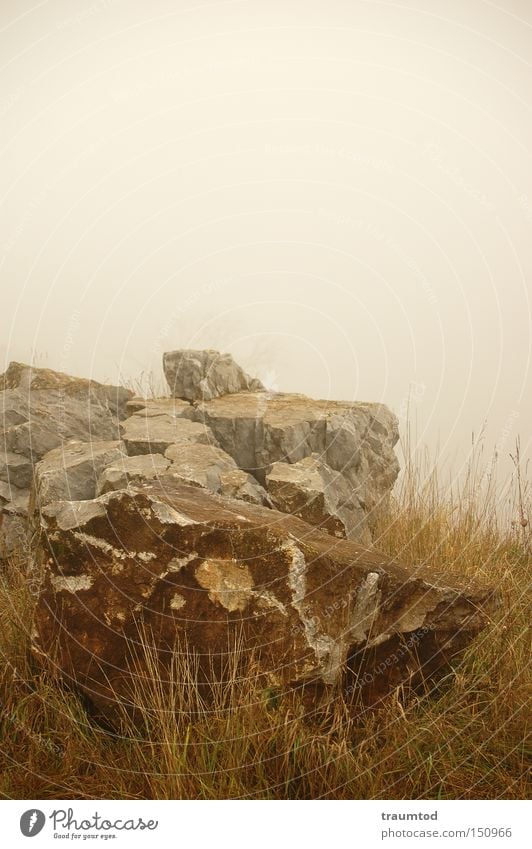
<point>155,434</point>
<point>245,435</point>
<point>223,511</point>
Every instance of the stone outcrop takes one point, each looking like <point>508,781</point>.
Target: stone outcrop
<point>311,490</point>
<point>16,470</point>
<point>253,431</point>
<point>203,375</point>
<point>224,513</point>
<point>191,453</point>
<point>194,569</point>
<point>41,410</point>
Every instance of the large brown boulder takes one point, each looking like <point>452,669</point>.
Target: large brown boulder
<point>180,567</point>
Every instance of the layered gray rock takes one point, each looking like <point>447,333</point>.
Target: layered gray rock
<point>16,470</point>
<point>359,443</point>
<point>70,407</point>
<point>71,473</point>
<point>203,375</point>
<point>199,572</point>
<point>313,491</point>
<point>356,440</point>
<point>41,410</point>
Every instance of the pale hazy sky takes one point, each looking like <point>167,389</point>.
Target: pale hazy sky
<point>339,193</point>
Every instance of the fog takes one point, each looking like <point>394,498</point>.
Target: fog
<point>338,193</point>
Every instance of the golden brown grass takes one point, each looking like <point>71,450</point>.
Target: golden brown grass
<point>466,740</point>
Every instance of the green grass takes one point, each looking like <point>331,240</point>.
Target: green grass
<point>466,740</point>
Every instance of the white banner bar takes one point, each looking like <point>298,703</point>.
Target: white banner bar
<point>266,825</point>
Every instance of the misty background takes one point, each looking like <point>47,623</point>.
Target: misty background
<point>338,193</point>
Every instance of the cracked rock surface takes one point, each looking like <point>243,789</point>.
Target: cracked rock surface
<point>186,565</point>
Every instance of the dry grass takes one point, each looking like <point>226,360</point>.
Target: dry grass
<point>467,740</point>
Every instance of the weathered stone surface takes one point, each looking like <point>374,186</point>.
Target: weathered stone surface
<point>174,407</point>
<point>16,470</point>
<point>44,391</point>
<point>361,446</point>
<point>131,471</point>
<point>14,498</point>
<point>31,440</point>
<point>40,410</point>
<point>71,473</point>
<point>311,490</point>
<point>154,434</point>
<point>203,375</point>
<point>184,565</point>
<point>260,429</point>
<point>212,468</point>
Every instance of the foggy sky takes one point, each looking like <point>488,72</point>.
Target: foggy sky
<point>339,193</point>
